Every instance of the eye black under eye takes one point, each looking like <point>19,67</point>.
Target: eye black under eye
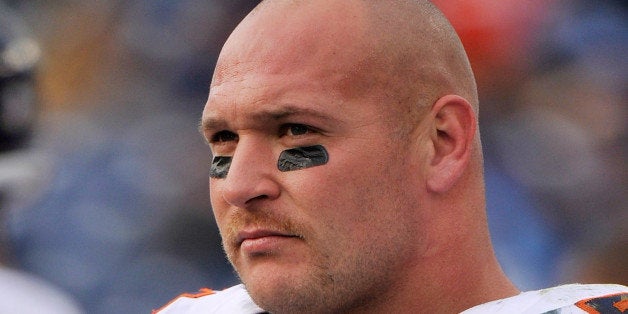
<point>224,136</point>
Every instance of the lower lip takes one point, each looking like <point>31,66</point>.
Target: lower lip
<point>263,245</point>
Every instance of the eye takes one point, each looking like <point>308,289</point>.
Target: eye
<point>295,129</point>
<point>223,136</point>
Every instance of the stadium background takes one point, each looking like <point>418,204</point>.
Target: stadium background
<point>112,206</point>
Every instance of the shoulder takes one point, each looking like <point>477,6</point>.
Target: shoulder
<point>232,300</point>
<point>574,298</point>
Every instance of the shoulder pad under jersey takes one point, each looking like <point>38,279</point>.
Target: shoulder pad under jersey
<point>566,299</point>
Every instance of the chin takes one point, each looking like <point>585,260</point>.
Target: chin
<point>269,277</point>
<point>269,291</point>
<point>282,290</point>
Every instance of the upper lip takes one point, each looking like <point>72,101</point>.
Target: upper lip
<point>260,233</point>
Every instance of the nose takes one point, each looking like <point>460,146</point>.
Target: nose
<point>251,175</point>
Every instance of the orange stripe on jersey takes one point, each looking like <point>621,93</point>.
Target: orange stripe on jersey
<point>612,303</point>
<point>621,305</point>
<point>201,293</point>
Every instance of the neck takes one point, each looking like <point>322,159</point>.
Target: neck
<point>450,286</point>
<point>457,272</point>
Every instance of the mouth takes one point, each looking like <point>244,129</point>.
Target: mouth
<point>264,242</point>
<point>258,234</point>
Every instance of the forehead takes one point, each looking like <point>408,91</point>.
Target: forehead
<point>312,57</point>
<point>257,99</point>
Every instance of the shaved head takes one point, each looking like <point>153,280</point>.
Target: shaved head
<point>406,48</point>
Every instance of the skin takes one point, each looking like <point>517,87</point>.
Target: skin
<point>395,221</point>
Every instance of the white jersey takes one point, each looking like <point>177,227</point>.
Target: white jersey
<point>233,300</point>
<point>567,299</point>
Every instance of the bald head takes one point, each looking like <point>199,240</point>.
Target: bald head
<point>405,48</point>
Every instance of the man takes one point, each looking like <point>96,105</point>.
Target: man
<point>347,170</point>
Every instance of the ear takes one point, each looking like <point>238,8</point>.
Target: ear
<point>452,135</point>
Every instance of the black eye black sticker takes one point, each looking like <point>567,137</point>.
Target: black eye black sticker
<point>220,167</point>
<point>302,157</point>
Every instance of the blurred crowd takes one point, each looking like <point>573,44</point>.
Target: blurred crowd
<point>109,202</point>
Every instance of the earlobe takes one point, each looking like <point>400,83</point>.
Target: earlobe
<point>454,128</point>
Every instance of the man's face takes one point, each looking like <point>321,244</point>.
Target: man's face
<point>329,236</point>
<point>316,234</point>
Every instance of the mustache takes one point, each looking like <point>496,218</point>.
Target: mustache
<point>259,219</point>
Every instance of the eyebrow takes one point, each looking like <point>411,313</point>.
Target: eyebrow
<point>267,115</point>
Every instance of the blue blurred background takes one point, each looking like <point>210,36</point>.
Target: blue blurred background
<point>109,201</point>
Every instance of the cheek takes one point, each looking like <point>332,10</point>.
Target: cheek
<point>354,214</point>
<point>218,207</point>
<point>340,193</point>
<point>357,188</point>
